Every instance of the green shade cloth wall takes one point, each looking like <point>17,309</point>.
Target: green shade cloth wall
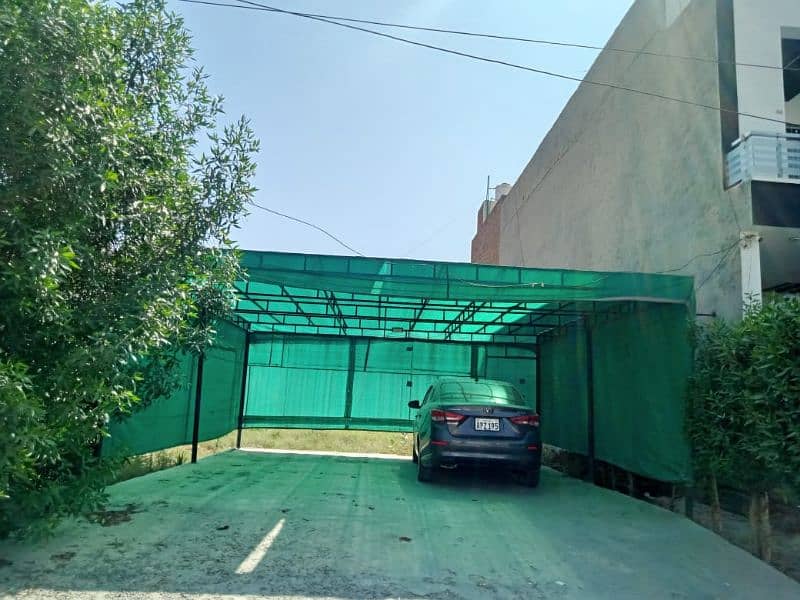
<point>564,398</point>
<point>164,423</point>
<point>641,364</point>
<point>340,382</point>
<point>222,382</point>
<point>297,381</point>
<point>168,422</point>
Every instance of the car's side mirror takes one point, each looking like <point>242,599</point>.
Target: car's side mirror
<point>413,404</point>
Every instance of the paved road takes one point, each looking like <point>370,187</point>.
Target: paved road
<point>333,527</point>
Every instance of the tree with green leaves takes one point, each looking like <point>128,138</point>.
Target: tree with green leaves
<point>115,249</point>
<point>744,407</point>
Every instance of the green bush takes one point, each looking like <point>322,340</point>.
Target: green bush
<point>114,233</point>
<point>744,406</point>
<point>772,415</point>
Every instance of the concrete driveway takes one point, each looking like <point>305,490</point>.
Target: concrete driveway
<point>257,525</point>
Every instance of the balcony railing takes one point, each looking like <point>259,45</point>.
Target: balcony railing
<point>764,157</point>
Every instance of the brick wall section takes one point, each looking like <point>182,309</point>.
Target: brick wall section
<point>486,243</point>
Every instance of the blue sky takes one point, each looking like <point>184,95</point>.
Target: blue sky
<point>387,145</point>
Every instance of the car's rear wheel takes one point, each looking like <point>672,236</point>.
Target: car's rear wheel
<point>530,478</point>
<point>424,473</point>
<point>414,457</point>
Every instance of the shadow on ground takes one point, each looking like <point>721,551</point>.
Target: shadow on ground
<point>365,528</point>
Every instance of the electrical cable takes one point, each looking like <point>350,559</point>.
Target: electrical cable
<point>535,284</point>
<point>317,227</point>
<point>717,267</point>
<point>427,239</point>
<point>247,5</point>
<point>509,64</point>
<point>703,255</point>
<point>329,20</point>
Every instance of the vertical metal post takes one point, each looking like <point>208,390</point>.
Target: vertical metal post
<point>538,378</point>
<point>589,399</point>
<point>198,393</point>
<point>351,371</point>
<point>473,362</point>
<point>245,368</point>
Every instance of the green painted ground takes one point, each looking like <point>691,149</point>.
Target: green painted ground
<point>364,528</point>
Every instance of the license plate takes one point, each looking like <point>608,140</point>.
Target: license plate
<point>487,424</point>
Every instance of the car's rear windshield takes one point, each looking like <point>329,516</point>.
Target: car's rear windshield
<point>480,392</point>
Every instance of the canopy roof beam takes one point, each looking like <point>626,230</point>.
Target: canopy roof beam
<point>558,312</point>
<point>257,301</point>
<point>498,317</point>
<point>285,292</point>
<point>462,317</point>
<point>349,300</point>
<point>337,311</point>
<point>272,328</point>
<point>416,318</point>
<point>252,314</point>
<point>282,318</point>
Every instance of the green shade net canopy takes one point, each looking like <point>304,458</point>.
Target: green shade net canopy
<point>345,342</point>
<point>405,299</point>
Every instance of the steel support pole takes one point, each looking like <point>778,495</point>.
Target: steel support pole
<point>198,393</point>
<point>473,363</point>
<point>589,400</point>
<point>348,392</point>
<point>539,379</point>
<point>243,393</point>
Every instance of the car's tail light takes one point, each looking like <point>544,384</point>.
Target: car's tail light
<point>443,416</point>
<point>530,420</point>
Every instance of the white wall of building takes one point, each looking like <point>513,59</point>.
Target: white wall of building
<point>757,26</point>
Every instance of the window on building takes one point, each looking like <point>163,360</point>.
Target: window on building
<point>791,80</point>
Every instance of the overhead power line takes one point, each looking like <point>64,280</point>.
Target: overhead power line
<point>717,267</point>
<point>247,5</point>
<point>330,20</point>
<point>312,225</point>
<point>703,255</point>
<point>502,62</point>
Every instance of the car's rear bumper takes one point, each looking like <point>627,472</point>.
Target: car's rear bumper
<point>458,453</point>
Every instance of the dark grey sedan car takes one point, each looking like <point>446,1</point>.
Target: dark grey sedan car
<point>467,422</point>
